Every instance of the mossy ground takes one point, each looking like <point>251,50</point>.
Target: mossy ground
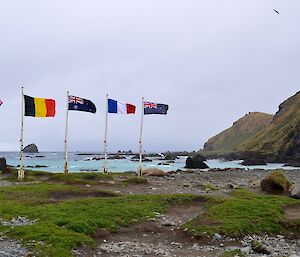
<point>62,225</point>
<point>243,213</point>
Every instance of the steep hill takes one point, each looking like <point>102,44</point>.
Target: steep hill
<point>241,130</point>
<point>281,138</point>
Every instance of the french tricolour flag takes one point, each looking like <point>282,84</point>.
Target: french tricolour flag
<point>122,108</point>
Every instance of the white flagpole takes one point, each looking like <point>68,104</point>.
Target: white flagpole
<point>105,169</point>
<point>140,169</point>
<point>21,173</point>
<point>66,137</point>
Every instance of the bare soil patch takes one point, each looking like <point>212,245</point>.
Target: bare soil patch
<point>292,213</point>
<point>161,236</point>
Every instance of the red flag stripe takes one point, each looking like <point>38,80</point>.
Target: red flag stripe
<point>130,109</point>
<point>50,105</point>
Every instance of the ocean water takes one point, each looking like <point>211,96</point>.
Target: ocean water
<point>55,163</point>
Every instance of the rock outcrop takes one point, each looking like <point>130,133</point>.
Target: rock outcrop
<point>276,183</point>
<point>32,148</point>
<point>2,163</point>
<point>196,162</point>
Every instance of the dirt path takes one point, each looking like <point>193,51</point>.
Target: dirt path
<point>158,237</point>
<point>292,212</point>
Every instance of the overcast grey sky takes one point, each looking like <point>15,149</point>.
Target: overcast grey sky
<point>212,61</point>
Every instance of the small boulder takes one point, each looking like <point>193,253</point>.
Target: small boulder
<point>2,163</point>
<point>32,148</point>
<point>196,162</point>
<point>276,183</point>
<point>217,237</point>
<point>153,172</point>
<point>258,247</point>
<point>295,191</point>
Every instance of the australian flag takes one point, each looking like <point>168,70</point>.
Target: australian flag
<point>155,108</point>
<point>81,104</point>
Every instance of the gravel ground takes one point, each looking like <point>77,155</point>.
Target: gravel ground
<point>11,248</point>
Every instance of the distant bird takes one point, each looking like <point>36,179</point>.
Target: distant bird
<point>276,11</point>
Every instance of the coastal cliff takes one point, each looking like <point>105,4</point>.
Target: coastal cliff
<point>276,139</point>
<point>241,130</point>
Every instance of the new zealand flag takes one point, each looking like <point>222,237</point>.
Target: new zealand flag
<point>154,108</point>
<point>81,104</point>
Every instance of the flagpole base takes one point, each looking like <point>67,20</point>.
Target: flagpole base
<point>66,169</point>
<point>105,170</point>
<point>140,171</point>
<point>21,175</point>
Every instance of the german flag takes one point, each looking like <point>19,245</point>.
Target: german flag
<point>39,107</point>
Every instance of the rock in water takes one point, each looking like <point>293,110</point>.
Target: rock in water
<point>196,162</point>
<point>254,161</point>
<point>2,163</point>
<point>32,148</point>
<point>295,191</point>
<point>153,172</point>
<point>276,183</point>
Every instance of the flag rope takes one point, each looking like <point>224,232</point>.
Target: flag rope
<point>21,172</point>
<point>140,169</point>
<point>105,168</point>
<point>66,170</point>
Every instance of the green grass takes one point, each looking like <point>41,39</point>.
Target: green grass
<point>65,224</point>
<point>211,187</point>
<point>243,213</point>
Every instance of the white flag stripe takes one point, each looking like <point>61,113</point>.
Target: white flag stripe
<point>121,108</point>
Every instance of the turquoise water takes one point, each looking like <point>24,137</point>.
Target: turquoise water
<point>55,163</point>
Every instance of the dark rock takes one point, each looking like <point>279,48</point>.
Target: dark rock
<point>88,170</point>
<point>39,156</point>
<point>116,157</point>
<point>295,191</point>
<point>276,183</point>
<point>32,148</point>
<point>2,163</point>
<point>293,163</point>
<point>41,166</point>
<point>196,162</point>
<point>170,157</point>
<point>136,158</point>
<point>254,161</point>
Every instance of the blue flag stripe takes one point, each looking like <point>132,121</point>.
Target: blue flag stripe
<point>112,106</point>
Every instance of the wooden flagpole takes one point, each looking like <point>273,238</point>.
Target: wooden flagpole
<point>140,169</point>
<point>66,170</point>
<point>21,173</point>
<point>105,168</point>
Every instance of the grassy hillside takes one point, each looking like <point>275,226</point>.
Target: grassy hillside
<point>282,137</point>
<point>243,129</point>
